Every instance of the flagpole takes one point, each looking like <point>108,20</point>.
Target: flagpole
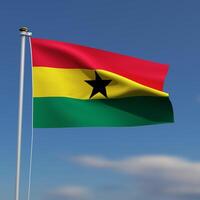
<point>24,32</point>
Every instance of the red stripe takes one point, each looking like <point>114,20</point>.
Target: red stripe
<point>65,55</point>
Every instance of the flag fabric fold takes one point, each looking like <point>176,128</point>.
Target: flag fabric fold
<point>79,86</point>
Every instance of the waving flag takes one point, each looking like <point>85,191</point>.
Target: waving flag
<point>78,86</point>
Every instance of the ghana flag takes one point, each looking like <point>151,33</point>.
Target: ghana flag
<point>78,86</point>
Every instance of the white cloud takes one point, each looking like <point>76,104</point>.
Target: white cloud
<point>198,98</point>
<point>71,192</point>
<point>93,161</point>
<point>157,175</point>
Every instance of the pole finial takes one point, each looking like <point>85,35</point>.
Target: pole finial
<point>24,29</point>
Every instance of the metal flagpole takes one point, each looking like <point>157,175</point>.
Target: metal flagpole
<point>24,32</point>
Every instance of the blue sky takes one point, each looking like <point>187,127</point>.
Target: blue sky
<point>150,162</point>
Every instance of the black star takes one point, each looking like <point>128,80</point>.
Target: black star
<point>98,85</point>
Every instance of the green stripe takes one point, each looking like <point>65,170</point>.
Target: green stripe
<point>133,111</point>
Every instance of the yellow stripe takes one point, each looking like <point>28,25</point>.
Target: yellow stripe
<point>59,82</point>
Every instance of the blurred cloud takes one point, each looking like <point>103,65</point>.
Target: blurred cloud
<point>198,98</point>
<point>158,177</point>
<point>70,192</point>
